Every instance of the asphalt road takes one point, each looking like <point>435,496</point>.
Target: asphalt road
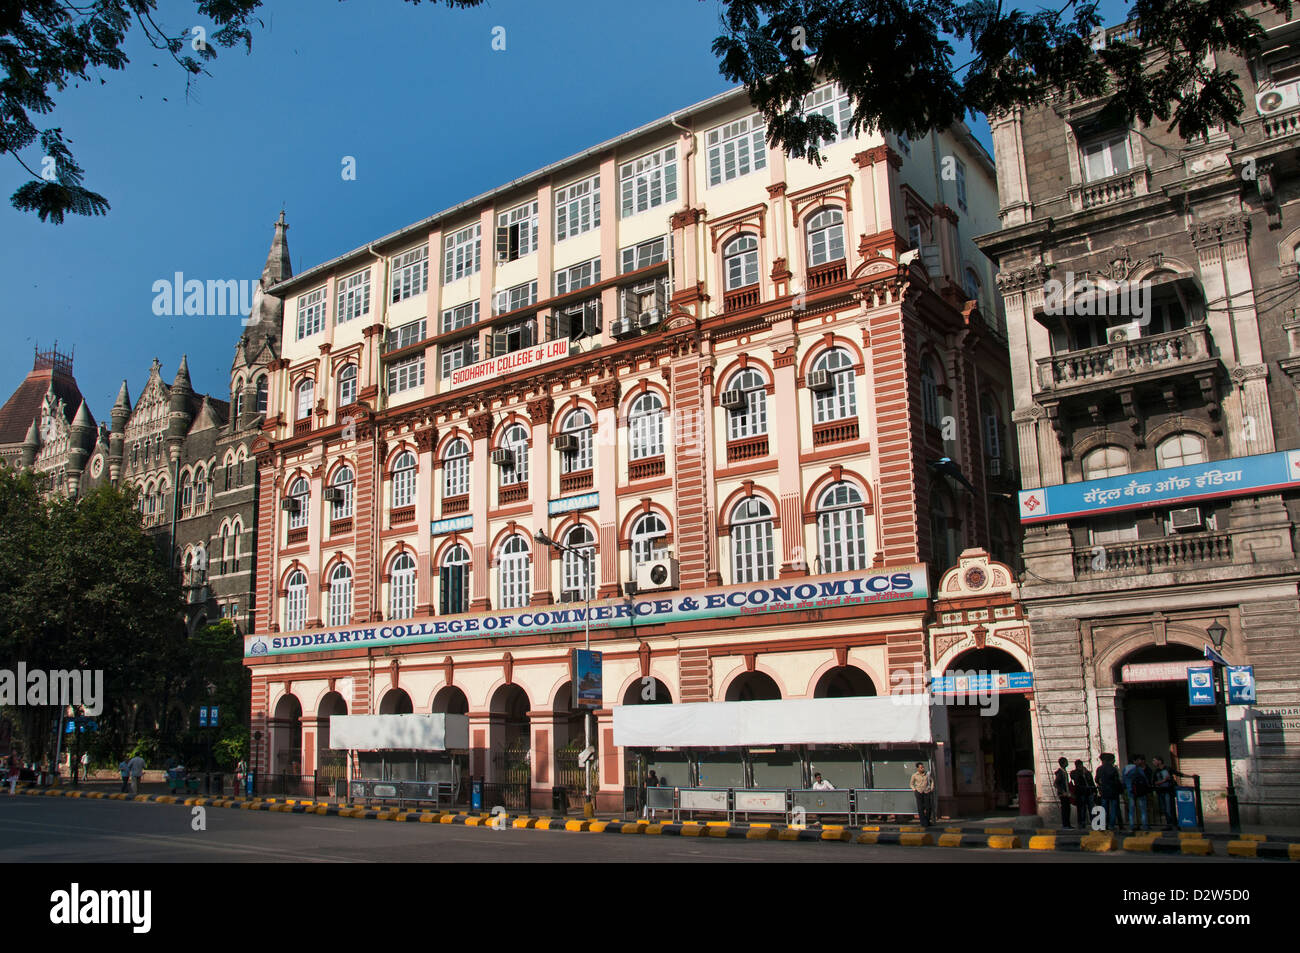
<point>59,830</point>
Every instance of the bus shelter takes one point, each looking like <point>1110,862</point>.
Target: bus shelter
<point>403,757</point>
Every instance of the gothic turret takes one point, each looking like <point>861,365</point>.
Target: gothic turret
<point>180,413</point>
<point>81,441</point>
<point>120,414</point>
<point>31,445</point>
<point>259,345</point>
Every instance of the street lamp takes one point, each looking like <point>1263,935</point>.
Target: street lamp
<point>1217,633</point>
<point>585,556</point>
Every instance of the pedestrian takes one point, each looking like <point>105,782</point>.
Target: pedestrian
<point>821,784</point>
<point>1084,791</point>
<point>1137,787</point>
<point>241,769</point>
<point>922,787</point>
<point>1108,788</point>
<point>136,768</point>
<point>1162,779</point>
<point>1061,781</point>
<point>651,781</point>
<point>85,766</point>
<point>13,772</point>
<point>125,768</point>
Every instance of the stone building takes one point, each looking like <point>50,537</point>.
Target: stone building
<point>1151,290</point>
<point>763,404</point>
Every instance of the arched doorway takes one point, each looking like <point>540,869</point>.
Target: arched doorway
<point>567,724</point>
<point>845,681</point>
<point>670,765</point>
<point>989,732</point>
<point>286,737</point>
<point>331,766</point>
<point>509,766</point>
<point>753,687</point>
<point>396,702</point>
<point>842,765</point>
<point>450,700</point>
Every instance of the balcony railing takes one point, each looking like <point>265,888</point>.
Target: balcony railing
<point>747,448</point>
<point>301,427</point>
<point>512,494</point>
<point>1153,555</point>
<point>645,469</point>
<point>1278,125</point>
<point>455,504</point>
<point>296,536</point>
<point>571,482</point>
<point>1114,360</point>
<point>341,527</point>
<point>738,300</point>
<point>835,431</point>
<point>1115,188</point>
<point>402,514</point>
<point>828,274</point>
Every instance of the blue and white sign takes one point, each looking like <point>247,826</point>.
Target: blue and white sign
<point>454,524</point>
<point>983,683</point>
<point>1239,476</point>
<point>203,716</point>
<point>567,504</point>
<point>843,590</point>
<point>1241,684</point>
<point>212,717</point>
<point>1185,806</point>
<point>1200,685</point>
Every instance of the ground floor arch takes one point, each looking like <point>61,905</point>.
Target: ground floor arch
<point>990,731</point>
<point>844,681</point>
<point>286,737</point>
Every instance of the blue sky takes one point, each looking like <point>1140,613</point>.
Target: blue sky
<point>196,185</point>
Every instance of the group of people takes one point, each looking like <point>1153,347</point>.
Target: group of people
<point>132,769</point>
<point>1082,790</point>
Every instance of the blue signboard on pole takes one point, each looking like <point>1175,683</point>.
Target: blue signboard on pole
<point>212,717</point>
<point>1241,685</point>
<point>203,716</point>
<point>587,674</point>
<point>1185,806</point>
<point>1200,685</point>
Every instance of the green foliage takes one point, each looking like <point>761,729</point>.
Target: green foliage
<point>232,747</point>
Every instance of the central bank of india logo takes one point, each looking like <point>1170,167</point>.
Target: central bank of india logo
<point>259,648</point>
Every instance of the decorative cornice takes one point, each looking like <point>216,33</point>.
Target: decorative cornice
<point>688,216</point>
<point>1220,231</point>
<point>878,154</point>
<point>480,426</point>
<point>1014,282</point>
<point>606,393</point>
<point>945,211</point>
<point>540,409</point>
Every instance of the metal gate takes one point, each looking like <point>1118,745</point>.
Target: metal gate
<point>568,774</point>
<point>511,784</point>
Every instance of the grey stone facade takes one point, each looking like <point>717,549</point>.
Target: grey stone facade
<point>1203,238</point>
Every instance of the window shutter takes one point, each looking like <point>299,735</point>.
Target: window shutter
<point>444,592</point>
<point>503,243</point>
<point>661,286</point>
<point>498,343</point>
<point>591,318</point>
<point>554,323</point>
<point>530,333</point>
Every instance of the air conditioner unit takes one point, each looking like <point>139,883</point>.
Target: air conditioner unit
<point>733,399</point>
<point>661,572</point>
<point>566,443</point>
<point>650,319</point>
<point>1124,332</point>
<point>995,466</point>
<point>820,380</point>
<point>503,457</point>
<point>622,328</point>
<point>1277,99</point>
<point>570,595</point>
<point>1185,519</point>
<point>289,504</point>
<point>332,494</point>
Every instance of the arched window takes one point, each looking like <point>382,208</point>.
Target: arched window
<point>515,569</point>
<point>752,557</point>
<point>348,385</point>
<point>578,581</point>
<point>842,529</point>
<point>344,482</point>
<point>453,581</point>
<point>224,539</point>
<point>751,419</point>
<point>455,469</point>
<point>401,587</point>
<point>825,237</point>
<point>740,261</point>
<point>340,595</point>
<point>260,406</point>
<point>187,492</point>
<point>841,400</point>
<point>305,391</point>
<point>515,439</point>
<point>646,533</point>
<point>295,603</point>
<point>645,427</point>
<point>200,489</point>
<point>227,470</point>
<point>577,425</point>
<point>404,479</point>
<point>1106,461</point>
<point>236,531</point>
<point>1180,450</point>
<point>930,394</point>
<point>300,491</point>
<point>238,396</point>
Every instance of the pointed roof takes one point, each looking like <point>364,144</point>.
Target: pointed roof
<point>49,373</point>
<point>278,267</point>
<point>264,317</point>
<point>83,418</point>
<point>183,374</point>
<point>33,438</point>
<point>123,398</point>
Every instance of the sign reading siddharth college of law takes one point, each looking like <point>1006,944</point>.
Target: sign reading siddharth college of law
<point>1172,485</point>
<point>521,360</point>
<point>845,589</point>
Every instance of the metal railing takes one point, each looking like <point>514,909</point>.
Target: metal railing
<point>795,805</point>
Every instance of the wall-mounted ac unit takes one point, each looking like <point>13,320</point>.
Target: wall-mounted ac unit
<point>650,319</point>
<point>503,457</point>
<point>1185,519</point>
<point>1124,332</point>
<point>733,399</point>
<point>820,380</point>
<point>661,572</point>
<point>332,494</point>
<point>289,504</point>
<point>622,328</point>
<point>1277,99</point>
<point>566,443</point>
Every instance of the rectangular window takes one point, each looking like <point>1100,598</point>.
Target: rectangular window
<point>520,296</point>
<point>904,144</point>
<point>577,208</point>
<point>644,255</point>
<point>311,313</point>
<point>575,321</point>
<point>405,335</point>
<point>736,149</point>
<point>404,375</point>
<point>410,274</point>
<point>577,276</point>
<point>461,255</point>
<point>513,337</point>
<point>648,182</point>
<point>452,356</point>
<point>461,316</point>
<point>961,184</point>
<point>1106,156</point>
<point>453,588</point>
<point>354,297</point>
<point>517,232</point>
<point>830,102</point>
<point>641,298</point>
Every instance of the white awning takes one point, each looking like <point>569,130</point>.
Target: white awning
<point>400,732</point>
<point>896,719</point>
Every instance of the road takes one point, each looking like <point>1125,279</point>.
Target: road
<point>59,830</point>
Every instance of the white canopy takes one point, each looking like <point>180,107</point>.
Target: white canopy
<point>888,719</point>
<point>399,732</point>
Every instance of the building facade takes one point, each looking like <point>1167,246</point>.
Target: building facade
<point>763,407</point>
<point>1150,286</point>
<point>46,426</point>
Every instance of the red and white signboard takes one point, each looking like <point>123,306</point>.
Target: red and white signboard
<point>522,360</point>
<point>1157,671</point>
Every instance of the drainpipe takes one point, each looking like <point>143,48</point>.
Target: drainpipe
<point>376,463</point>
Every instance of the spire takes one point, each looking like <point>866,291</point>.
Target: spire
<point>123,398</point>
<point>83,418</point>
<point>277,267</point>
<point>183,374</point>
<point>263,321</point>
<point>31,445</point>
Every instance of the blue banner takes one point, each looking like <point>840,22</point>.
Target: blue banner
<point>1170,486</point>
<point>983,683</point>
<point>1185,806</point>
<point>203,716</point>
<point>1241,685</point>
<point>1200,685</point>
<point>587,675</point>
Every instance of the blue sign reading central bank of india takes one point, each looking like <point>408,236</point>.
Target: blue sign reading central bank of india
<point>845,589</point>
<point>1239,476</point>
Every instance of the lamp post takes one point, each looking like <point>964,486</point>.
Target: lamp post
<point>585,556</point>
<point>1217,633</point>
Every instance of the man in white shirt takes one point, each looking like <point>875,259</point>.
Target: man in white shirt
<point>135,768</point>
<point>820,784</point>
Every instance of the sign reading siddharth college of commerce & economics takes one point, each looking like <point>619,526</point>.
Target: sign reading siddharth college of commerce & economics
<point>522,360</point>
<point>1170,486</point>
<point>845,589</point>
